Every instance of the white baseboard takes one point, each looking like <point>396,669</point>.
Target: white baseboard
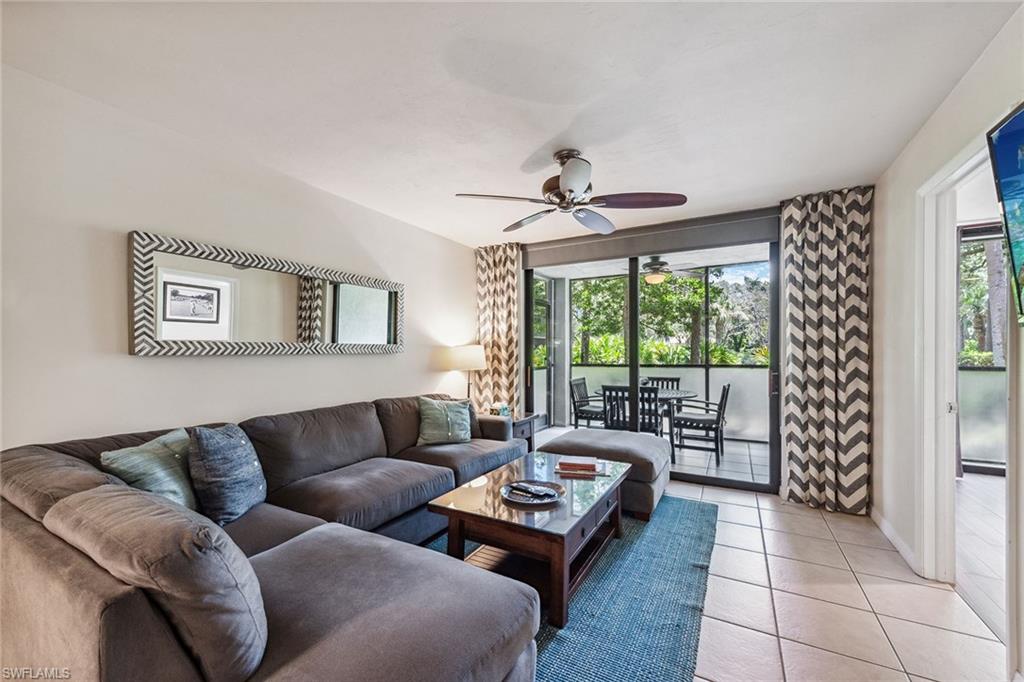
<point>896,540</point>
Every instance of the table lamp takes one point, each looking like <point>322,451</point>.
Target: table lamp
<point>467,359</point>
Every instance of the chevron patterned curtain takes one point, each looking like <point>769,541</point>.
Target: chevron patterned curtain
<point>497,305</point>
<point>827,388</point>
<point>311,310</point>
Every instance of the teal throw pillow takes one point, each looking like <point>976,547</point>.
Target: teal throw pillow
<point>159,466</point>
<point>444,421</point>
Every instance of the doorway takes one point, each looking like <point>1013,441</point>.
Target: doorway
<point>983,307</point>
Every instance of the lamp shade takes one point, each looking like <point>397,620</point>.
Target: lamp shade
<point>467,357</point>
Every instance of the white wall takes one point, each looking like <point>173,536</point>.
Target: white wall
<point>78,176</point>
<point>993,85</point>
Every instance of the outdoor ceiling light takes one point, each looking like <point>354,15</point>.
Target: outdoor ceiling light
<point>655,270</point>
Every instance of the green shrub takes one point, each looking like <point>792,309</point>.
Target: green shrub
<point>970,356</point>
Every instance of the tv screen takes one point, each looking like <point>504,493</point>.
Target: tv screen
<point>1006,149</point>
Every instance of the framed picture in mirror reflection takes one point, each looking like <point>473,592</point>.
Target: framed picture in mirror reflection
<point>191,303</point>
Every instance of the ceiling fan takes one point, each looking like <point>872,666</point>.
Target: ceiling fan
<point>570,192</point>
<point>655,270</point>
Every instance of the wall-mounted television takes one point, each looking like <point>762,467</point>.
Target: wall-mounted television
<point>1006,149</point>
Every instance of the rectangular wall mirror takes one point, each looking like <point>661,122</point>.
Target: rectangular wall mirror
<point>190,298</point>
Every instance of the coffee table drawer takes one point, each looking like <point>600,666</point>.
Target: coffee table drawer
<point>604,507</point>
<point>582,532</point>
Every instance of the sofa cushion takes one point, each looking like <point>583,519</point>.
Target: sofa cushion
<point>400,418</point>
<point>300,444</point>
<point>184,561</point>
<point>368,493</point>
<point>267,525</point>
<point>648,453</point>
<point>35,478</point>
<point>415,527</point>
<point>159,466</point>
<point>467,460</point>
<point>226,472</point>
<point>382,610</point>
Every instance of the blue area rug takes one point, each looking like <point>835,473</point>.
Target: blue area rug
<point>637,615</point>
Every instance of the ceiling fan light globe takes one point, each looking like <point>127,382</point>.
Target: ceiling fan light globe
<point>574,179</point>
<point>655,277</point>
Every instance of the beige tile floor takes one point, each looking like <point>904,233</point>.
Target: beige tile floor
<point>797,594</point>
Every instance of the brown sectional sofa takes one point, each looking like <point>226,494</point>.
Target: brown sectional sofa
<point>341,602</point>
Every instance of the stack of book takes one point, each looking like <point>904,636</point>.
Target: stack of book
<point>579,467</point>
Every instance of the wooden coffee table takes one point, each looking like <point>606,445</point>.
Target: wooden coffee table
<point>553,549</point>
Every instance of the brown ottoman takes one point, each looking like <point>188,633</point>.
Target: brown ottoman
<point>648,454</point>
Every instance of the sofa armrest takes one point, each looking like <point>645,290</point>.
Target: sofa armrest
<point>494,427</point>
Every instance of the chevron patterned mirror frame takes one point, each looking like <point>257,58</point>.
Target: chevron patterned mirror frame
<point>142,285</point>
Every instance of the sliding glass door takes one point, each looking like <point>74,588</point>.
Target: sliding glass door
<point>690,323</point>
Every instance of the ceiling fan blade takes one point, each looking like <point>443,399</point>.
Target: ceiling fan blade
<point>593,221</point>
<point>527,220</point>
<point>502,198</point>
<point>639,200</point>
<point>575,177</point>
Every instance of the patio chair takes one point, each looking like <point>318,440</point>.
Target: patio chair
<point>671,383</point>
<point>661,382</point>
<point>581,403</point>
<point>616,409</point>
<point>707,426</point>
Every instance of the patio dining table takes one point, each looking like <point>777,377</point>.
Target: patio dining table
<point>665,395</point>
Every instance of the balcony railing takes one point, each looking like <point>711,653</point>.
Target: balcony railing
<point>747,412</point>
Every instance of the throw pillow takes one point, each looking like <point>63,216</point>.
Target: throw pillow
<point>183,561</point>
<point>226,472</point>
<point>159,466</point>
<point>443,421</point>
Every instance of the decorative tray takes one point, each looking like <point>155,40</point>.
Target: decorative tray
<point>509,494</point>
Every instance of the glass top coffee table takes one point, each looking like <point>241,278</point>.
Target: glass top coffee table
<point>552,548</point>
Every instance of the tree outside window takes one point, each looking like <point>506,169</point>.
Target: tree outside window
<point>983,298</point>
<point>677,325</point>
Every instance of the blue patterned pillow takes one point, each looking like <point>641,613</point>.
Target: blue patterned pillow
<point>226,473</point>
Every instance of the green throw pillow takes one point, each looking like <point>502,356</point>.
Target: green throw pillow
<point>443,421</point>
<point>159,466</point>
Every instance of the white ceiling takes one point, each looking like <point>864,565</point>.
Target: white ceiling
<point>682,260</point>
<point>398,107</point>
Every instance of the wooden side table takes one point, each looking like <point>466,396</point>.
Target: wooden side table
<point>525,427</point>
